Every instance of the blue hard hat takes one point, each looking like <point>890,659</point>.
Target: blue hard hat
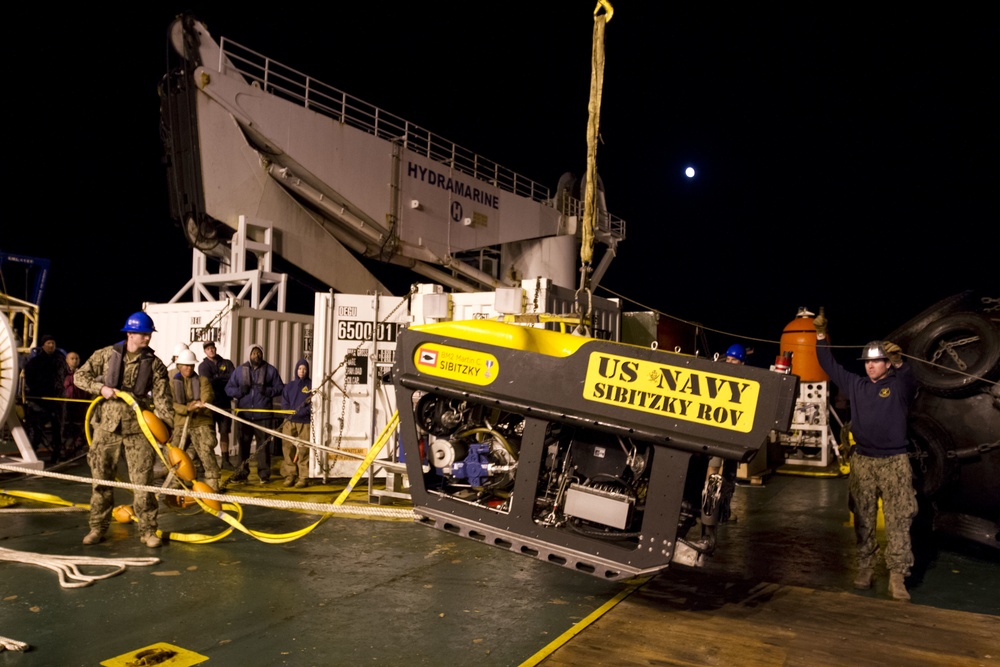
<point>139,322</point>
<point>737,351</point>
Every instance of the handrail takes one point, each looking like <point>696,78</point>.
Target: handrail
<point>295,86</point>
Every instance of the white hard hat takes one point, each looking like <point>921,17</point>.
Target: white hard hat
<point>874,351</point>
<point>180,348</point>
<point>186,358</point>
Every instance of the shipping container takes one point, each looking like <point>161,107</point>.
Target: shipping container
<point>234,327</point>
<point>355,348</point>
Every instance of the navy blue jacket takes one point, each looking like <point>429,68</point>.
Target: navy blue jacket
<point>296,395</point>
<point>255,388</point>
<point>879,410</point>
<point>218,371</point>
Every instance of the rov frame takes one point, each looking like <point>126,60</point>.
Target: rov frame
<point>621,390</point>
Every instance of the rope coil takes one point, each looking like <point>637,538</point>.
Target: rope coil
<point>7,644</point>
<point>68,567</point>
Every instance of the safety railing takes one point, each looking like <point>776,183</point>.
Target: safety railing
<point>291,84</point>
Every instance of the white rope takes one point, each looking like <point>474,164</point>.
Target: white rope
<point>7,644</point>
<point>67,567</point>
<point>392,466</point>
<point>284,436</point>
<point>324,508</point>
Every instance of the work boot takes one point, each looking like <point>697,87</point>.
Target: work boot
<point>301,484</point>
<point>863,581</point>
<point>897,586</point>
<point>151,540</point>
<point>241,474</point>
<point>289,481</point>
<point>94,536</point>
<point>226,463</point>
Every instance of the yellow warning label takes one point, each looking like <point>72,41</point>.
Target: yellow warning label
<point>677,392</point>
<point>161,654</point>
<point>456,363</point>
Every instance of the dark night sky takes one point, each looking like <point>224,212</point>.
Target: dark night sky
<point>843,160</point>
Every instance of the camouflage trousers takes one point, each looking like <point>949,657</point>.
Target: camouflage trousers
<point>103,459</point>
<point>201,447</point>
<point>290,468</point>
<point>890,479</point>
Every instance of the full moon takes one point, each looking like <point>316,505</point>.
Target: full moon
<point>689,172</point>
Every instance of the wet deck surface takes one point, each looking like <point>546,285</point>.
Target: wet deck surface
<point>390,592</point>
<point>778,592</point>
<point>701,619</point>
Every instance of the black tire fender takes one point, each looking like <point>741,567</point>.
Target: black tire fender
<point>981,357</point>
<point>933,468</point>
<point>905,334</point>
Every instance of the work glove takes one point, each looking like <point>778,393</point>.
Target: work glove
<point>820,322</point>
<point>895,354</point>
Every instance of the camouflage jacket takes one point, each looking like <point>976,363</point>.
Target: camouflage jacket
<point>115,415</point>
<point>198,416</point>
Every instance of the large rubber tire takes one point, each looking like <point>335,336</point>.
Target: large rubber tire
<point>9,369</point>
<point>933,469</point>
<point>905,334</point>
<point>982,357</point>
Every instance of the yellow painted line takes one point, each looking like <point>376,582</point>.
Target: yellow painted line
<point>562,639</point>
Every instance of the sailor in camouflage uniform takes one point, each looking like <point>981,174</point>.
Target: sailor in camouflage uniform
<point>191,392</point>
<point>129,366</point>
<point>880,464</point>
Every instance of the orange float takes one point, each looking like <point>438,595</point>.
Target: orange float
<point>123,514</point>
<point>201,487</point>
<point>156,427</point>
<point>799,338</point>
<point>180,463</point>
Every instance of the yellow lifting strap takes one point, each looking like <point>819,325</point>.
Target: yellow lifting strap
<point>593,133</point>
<point>149,424</point>
<point>234,522</point>
<point>383,438</point>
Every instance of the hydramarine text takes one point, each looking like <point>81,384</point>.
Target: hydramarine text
<point>445,182</point>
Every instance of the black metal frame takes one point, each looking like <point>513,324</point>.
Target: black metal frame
<point>548,389</point>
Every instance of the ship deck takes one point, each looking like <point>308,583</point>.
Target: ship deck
<point>381,589</point>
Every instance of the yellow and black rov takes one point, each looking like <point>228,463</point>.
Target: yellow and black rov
<point>581,452</point>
